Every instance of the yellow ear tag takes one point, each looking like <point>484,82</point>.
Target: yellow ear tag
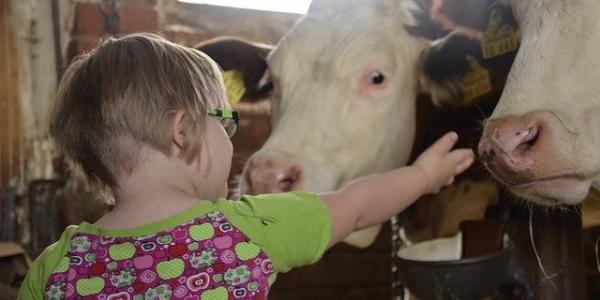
<point>499,37</point>
<point>476,82</point>
<point>234,85</point>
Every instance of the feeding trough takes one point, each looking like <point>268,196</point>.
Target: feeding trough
<point>438,269</point>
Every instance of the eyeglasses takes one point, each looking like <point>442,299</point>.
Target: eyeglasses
<point>229,119</point>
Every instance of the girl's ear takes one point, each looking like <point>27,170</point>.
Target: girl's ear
<point>178,129</point>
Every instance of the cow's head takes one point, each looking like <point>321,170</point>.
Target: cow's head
<point>543,137</point>
<point>345,81</point>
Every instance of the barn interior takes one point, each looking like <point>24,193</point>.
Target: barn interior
<point>510,249</point>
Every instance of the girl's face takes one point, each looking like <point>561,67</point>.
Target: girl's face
<point>214,161</point>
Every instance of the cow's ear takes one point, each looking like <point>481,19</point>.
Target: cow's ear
<point>465,17</point>
<point>248,60</point>
<point>421,24</point>
<point>443,66</point>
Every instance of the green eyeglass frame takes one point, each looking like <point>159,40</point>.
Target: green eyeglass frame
<point>230,119</point>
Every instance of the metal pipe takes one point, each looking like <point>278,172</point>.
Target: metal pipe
<point>57,40</point>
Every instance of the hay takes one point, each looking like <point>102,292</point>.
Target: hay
<point>537,255</point>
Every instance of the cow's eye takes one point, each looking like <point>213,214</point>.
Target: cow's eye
<point>377,77</point>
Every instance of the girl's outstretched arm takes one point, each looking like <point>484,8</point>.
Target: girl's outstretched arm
<point>374,199</point>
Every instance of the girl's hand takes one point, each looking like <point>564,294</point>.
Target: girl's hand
<point>439,163</point>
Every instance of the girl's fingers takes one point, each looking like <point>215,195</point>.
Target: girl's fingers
<point>445,143</point>
<point>465,164</point>
<point>460,155</point>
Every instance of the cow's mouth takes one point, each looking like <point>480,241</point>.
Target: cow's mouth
<point>555,190</point>
<point>560,180</point>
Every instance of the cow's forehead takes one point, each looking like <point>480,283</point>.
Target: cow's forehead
<point>329,22</point>
<point>327,9</point>
<point>315,38</point>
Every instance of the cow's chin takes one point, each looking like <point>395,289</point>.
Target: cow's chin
<point>555,191</point>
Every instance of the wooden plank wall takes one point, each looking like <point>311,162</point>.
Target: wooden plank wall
<point>11,125</point>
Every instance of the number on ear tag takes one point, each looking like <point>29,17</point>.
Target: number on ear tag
<point>476,82</point>
<point>500,37</point>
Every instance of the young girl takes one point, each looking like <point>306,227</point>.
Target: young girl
<point>149,119</point>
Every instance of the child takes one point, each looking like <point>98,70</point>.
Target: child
<point>149,119</point>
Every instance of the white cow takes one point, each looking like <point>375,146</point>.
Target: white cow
<point>543,138</point>
<point>345,79</point>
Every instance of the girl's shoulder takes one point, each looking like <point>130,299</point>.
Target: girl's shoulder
<point>48,261</point>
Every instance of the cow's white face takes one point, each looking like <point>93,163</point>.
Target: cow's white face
<point>543,138</point>
<point>345,87</point>
<point>345,82</point>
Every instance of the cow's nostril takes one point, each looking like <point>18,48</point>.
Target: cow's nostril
<point>286,184</point>
<point>271,176</point>
<point>514,137</point>
<point>289,181</point>
<point>488,155</point>
<point>510,145</point>
<point>529,137</point>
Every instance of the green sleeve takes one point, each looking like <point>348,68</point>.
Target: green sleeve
<point>294,229</point>
<point>35,282</point>
<point>32,288</point>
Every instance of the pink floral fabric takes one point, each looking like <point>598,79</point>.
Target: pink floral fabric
<point>205,259</point>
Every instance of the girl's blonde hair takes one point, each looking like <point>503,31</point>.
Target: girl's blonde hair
<point>124,94</point>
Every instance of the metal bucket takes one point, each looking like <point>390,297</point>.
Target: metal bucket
<point>450,278</point>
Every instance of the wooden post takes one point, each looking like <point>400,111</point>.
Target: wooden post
<point>559,243</point>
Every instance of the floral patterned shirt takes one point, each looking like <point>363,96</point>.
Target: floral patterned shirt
<point>214,250</point>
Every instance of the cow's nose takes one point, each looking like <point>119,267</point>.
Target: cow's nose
<point>271,176</point>
<point>512,137</point>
